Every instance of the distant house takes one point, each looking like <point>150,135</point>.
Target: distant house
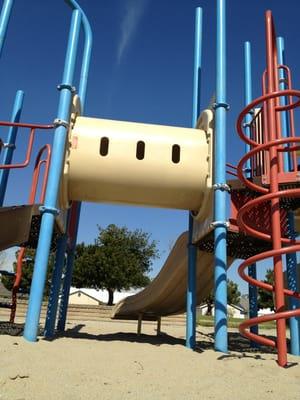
<point>234,311</point>
<point>264,311</point>
<point>84,297</point>
<point>244,302</point>
<point>96,297</point>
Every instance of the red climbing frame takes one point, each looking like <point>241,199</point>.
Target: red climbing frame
<point>267,147</point>
<point>39,162</point>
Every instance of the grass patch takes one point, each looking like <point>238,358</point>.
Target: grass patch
<point>206,320</point>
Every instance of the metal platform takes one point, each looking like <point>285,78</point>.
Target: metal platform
<point>244,246</point>
<point>20,225</point>
<point>238,244</point>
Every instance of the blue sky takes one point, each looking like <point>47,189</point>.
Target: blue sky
<point>141,70</point>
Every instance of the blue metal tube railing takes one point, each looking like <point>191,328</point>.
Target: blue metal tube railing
<point>4,20</point>
<point>76,205</point>
<point>86,52</point>
<point>12,133</point>
<point>252,290</point>
<point>220,224</point>
<point>10,143</point>
<point>62,244</point>
<point>291,259</point>
<point>192,249</point>
<point>49,209</point>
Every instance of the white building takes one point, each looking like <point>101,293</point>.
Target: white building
<point>97,297</point>
<point>233,310</point>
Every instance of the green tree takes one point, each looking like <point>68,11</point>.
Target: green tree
<point>27,270</point>
<point>233,296</point>
<point>233,293</point>
<point>119,259</point>
<point>265,298</point>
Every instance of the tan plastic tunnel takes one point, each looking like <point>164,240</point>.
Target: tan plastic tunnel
<point>140,164</point>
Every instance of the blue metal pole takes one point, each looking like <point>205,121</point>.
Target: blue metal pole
<point>49,209</point>
<point>4,20</point>
<point>220,223</point>
<point>252,290</point>
<point>62,244</point>
<point>64,302</point>
<point>55,287</point>
<point>192,249</point>
<point>10,143</point>
<point>85,66</point>
<point>291,259</point>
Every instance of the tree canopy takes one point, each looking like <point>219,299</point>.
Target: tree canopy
<point>119,259</point>
<point>27,270</point>
<point>265,298</point>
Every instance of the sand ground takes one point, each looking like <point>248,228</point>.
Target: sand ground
<point>106,360</point>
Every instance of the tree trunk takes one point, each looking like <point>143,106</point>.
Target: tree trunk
<point>110,296</point>
<point>209,308</point>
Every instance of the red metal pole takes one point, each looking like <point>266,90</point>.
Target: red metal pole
<point>274,187</point>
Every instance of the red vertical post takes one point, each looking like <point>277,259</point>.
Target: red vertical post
<point>274,187</point>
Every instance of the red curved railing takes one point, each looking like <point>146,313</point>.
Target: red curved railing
<point>39,162</point>
<point>28,155</point>
<point>271,147</point>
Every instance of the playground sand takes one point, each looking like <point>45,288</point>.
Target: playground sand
<point>106,360</point>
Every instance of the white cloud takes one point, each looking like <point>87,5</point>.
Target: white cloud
<point>133,14</point>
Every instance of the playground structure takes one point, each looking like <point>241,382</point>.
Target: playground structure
<point>182,168</point>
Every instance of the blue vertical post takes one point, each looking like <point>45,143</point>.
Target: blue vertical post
<point>4,20</point>
<point>291,259</point>
<point>62,244</point>
<point>192,249</point>
<point>8,152</point>
<point>77,205</point>
<point>49,209</point>
<point>220,223</point>
<point>55,286</point>
<point>10,143</point>
<point>252,290</point>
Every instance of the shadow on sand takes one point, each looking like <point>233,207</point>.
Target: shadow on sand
<point>156,340</point>
<point>238,346</point>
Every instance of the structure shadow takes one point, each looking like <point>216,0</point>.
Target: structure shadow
<point>156,340</point>
<point>238,345</point>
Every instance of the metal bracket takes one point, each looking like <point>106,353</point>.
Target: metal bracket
<point>60,122</point>
<point>66,86</point>
<point>283,80</point>
<point>8,146</point>
<point>50,210</point>
<point>246,124</point>
<point>221,186</point>
<point>217,105</point>
<point>218,224</point>
<point>247,169</point>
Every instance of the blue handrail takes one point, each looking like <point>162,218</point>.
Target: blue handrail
<point>62,243</point>
<point>49,209</point>
<point>220,277</point>
<point>4,20</point>
<point>291,259</point>
<point>192,249</point>
<point>86,52</point>
<point>10,143</point>
<point>252,290</point>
